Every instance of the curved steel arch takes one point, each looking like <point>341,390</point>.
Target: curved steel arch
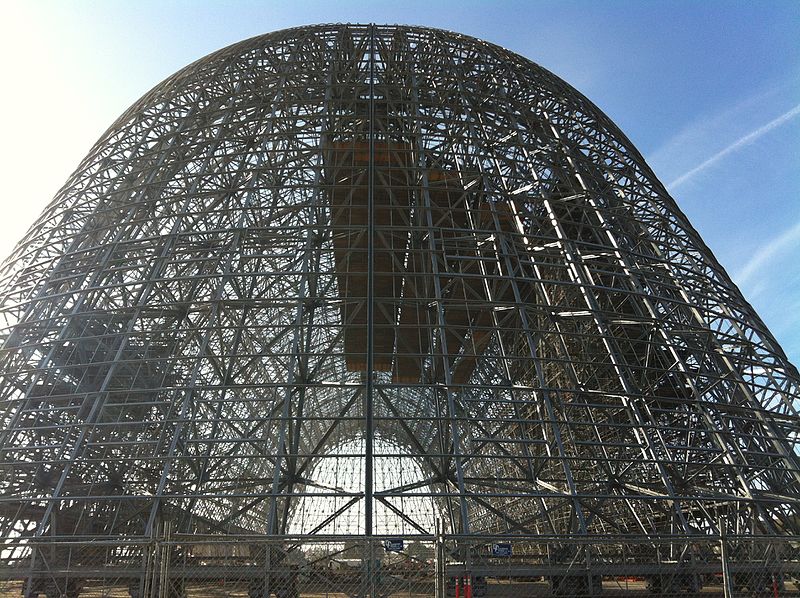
<point>340,232</point>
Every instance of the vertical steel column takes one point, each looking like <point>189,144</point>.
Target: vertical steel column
<point>369,388</point>
<point>368,391</point>
<point>427,209</point>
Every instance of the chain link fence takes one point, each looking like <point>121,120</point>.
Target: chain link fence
<point>176,566</point>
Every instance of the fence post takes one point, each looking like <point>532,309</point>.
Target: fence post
<point>143,585</point>
<point>727,584</point>
<point>368,568</point>
<point>468,567</point>
<point>373,570</point>
<point>267,568</point>
<point>166,548</point>
<point>439,582</point>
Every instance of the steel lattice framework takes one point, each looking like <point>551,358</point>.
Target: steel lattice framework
<point>347,279</point>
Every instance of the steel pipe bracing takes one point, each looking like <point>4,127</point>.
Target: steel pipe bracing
<point>343,280</point>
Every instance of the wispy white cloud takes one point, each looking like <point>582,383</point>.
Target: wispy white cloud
<point>737,145</point>
<point>768,251</point>
<point>704,134</point>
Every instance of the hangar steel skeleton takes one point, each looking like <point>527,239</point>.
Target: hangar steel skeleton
<point>398,239</point>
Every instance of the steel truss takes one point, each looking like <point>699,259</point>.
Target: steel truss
<point>344,280</point>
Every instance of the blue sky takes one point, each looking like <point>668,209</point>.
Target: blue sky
<point>708,91</point>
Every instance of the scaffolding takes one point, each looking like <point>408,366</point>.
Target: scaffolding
<point>332,285</point>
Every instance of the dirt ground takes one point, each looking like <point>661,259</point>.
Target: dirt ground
<point>495,589</point>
